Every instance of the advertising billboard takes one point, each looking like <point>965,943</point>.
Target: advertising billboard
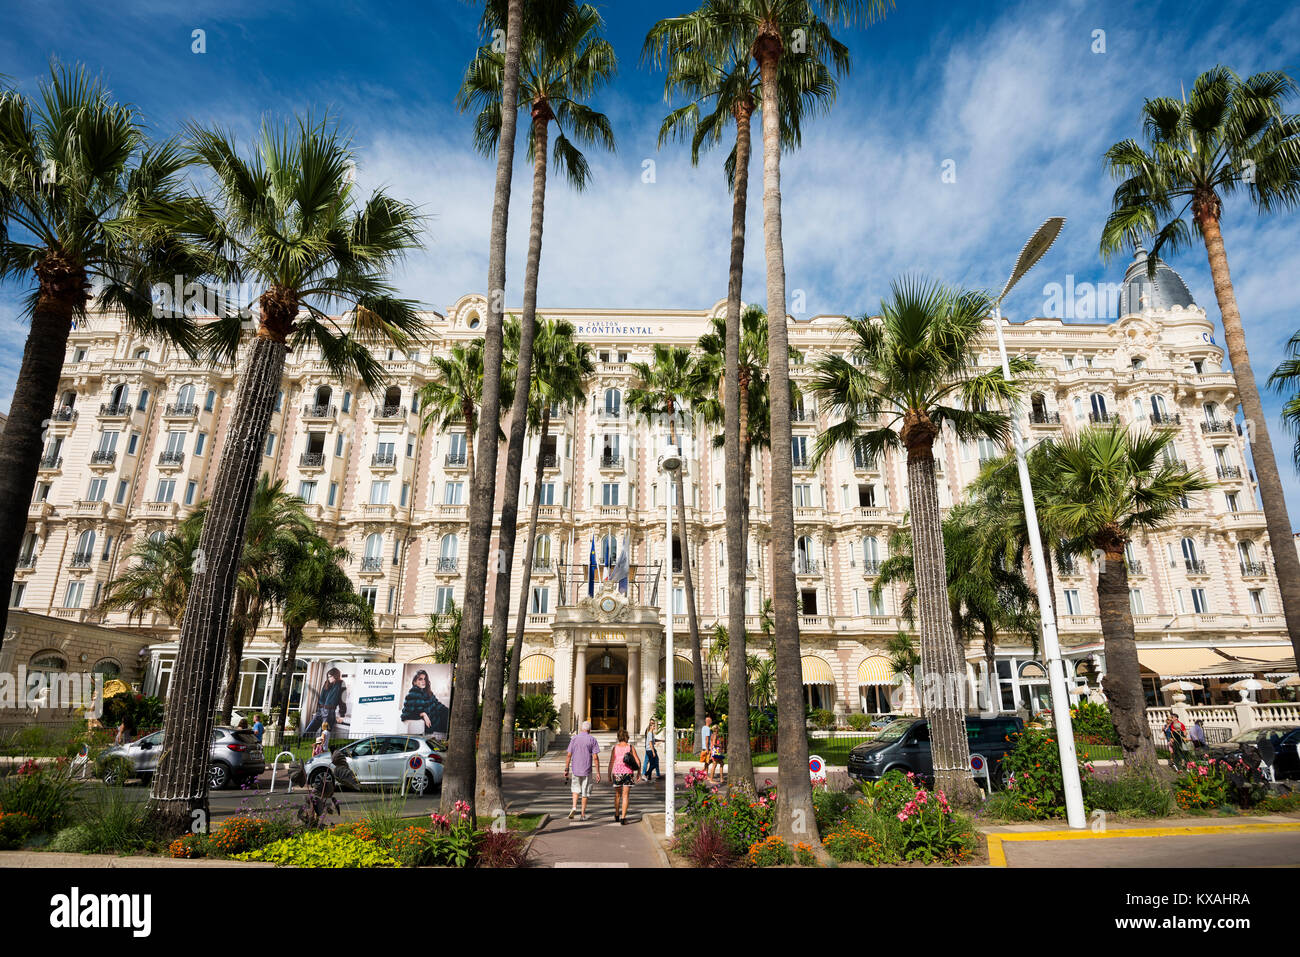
<point>361,698</point>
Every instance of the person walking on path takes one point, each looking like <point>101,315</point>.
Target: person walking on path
<point>258,726</point>
<point>1176,735</point>
<point>706,739</point>
<point>583,757</point>
<point>717,755</point>
<point>1197,734</point>
<point>651,759</point>
<point>624,767</point>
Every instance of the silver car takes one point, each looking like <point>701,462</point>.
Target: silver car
<point>385,760</point>
<point>236,756</point>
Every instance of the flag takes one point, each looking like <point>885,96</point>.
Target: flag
<point>620,568</point>
<point>591,570</point>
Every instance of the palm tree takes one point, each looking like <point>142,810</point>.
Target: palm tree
<point>458,782</point>
<point>1229,135</point>
<point>566,59</point>
<point>454,394</point>
<point>903,658</point>
<point>277,525</point>
<point>158,580</point>
<point>1103,485</point>
<point>286,219</point>
<point>561,366</point>
<point>77,181</point>
<point>318,589</point>
<point>664,387</point>
<point>913,370</point>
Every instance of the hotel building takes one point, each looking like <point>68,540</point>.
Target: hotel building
<point>136,432</point>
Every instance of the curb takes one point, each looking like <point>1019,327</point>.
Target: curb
<point>528,846</point>
<point>654,841</point>
<point>998,856</point>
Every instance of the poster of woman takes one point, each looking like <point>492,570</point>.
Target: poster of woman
<point>425,704</point>
<point>328,700</point>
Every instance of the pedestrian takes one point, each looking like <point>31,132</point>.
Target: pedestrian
<point>624,768</point>
<point>243,725</point>
<point>258,726</point>
<point>1176,736</point>
<point>583,757</point>
<point>706,738</point>
<point>1197,734</point>
<point>322,740</point>
<point>717,755</point>
<point>651,759</point>
<point>122,733</point>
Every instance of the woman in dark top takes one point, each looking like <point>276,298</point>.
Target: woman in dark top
<point>329,701</point>
<point>420,706</point>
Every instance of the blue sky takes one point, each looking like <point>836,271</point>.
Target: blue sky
<point>1012,94</point>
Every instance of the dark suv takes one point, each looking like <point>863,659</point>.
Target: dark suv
<point>905,746</point>
<point>236,757</point>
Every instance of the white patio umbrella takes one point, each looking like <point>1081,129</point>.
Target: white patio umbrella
<point>1178,687</point>
<point>1247,685</point>
<point>1290,681</point>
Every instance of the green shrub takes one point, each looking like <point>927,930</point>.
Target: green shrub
<point>15,828</point>
<point>822,719</point>
<point>829,806</point>
<point>113,769</point>
<point>77,839</point>
<point>850,843</point>
<point>1215,783</point>
<point>314,848</point>
<point>115,824</point>
<point>1280,803</point>
<point>896,819</point>
<point>46,795</point>
<point>536,711</point>
<point>1093,724</point>
<point>770,852</point>
<point>1032,771</point>
<point>860,722</point>
<point>1134,794</point>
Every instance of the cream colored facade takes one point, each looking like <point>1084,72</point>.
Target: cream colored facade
<point>396,498</point>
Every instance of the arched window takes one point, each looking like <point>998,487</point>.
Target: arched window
<point>121,394</point>
<point>143,400</point>
<point>1159,411</point>
<point>871,554</point>
<point>607,551</point>
<point>392,397</point>
<point>185,396</point>
<point>473,321</point>
<point>110,668</point>
<point>374,545</point>
<point>450,547</point>
<point>142,353</point>
<point>1098,402</point>
<point>85,545</point>
<point>323,395</point>
<point>1189,549</point>
<point>542,551</point>
<point>1038,406</point>
<point>613,403</point>
<point>803,550</point>
<point>68,400</point>
<point>48,661</point>
<point>252,683</point>
<point>1246,551</point>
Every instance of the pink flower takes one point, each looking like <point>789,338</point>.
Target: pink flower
<point>902,816</point>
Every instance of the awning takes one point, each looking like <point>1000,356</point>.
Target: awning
<point>816,671</point>
<point>876,670</point>
<point>1175,663</point>
<point>536,669</point>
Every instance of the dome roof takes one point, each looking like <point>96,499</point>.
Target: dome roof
<point>1139,293</point>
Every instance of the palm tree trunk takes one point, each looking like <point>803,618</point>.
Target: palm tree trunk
<point>697,659</point>
<point>517,649</point>
<point>991,663</point>
<point>234,653</point>
<point>795,817</point>
<point>1123,681</point>
<point>62,291</point>
<point>489,739</point>
<point>292,637</point>
<point>740,760</point>
<point>942,668</point>
<point>458,781</point>
<point>1285,559</point>
<point>180,783</point>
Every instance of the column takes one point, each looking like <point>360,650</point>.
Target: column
<point>634,722</point>
<point>650,645</point>
<point>580,680</point>
<point>564,676</point>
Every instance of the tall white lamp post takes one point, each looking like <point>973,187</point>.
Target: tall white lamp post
<point>1033,251</point>
<point>670,462</point>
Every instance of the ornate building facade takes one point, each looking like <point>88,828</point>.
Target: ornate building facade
<point>137,430</point>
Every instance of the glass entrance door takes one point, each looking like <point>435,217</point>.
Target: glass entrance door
<point>606,706</point>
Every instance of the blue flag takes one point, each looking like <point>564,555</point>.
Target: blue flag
<point>591,570</point>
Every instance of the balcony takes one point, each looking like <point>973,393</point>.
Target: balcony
<point>1045,418</point>
<point>1193,566</point>
<point>1103,418</point>
<point>456,460</point>
<point>390,412</point>
<point>1218,428</point>
<point>313,411</point>
<point>65,414</point>
<point>1070,568</point>
<point>449,510</point>
<point>802,463</point>
<point>89,508</point>
<point>865,465</point>
<point>448,566</point>
<point>25,562</point>
<point>609,415</point>
<point>1134,568</point>
<point>383,460</point>
<point>165,509</point>
<point>1254,570</point>
<point>311,460</point>
<point>120,410</point>
<point>870,568</point>
<point>803,415</point>
<point>1163,420</point>
<point>550,460</point>
<point>1228,471</point>
<point>81,559</point>
<point>611,461</point>
<point>51,463</point>
<point>372,564</point>
<point>180,411</point>
<point>168,459</point>
<point>541,566</point>
<point>103,457</point>
<point>807,566</point>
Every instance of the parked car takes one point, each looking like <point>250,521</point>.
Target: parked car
<point>383,760</point>
<point>1278,745</point>
<point>236,756</point>
<point>905,746</point>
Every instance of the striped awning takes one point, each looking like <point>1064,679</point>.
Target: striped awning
<point>1174,663</point>
<point>816,671</point>
<point>876,670</point>
<point>536,669</point>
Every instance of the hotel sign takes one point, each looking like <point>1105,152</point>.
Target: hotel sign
<point>612,329</point>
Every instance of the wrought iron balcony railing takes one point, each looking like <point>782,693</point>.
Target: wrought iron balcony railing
<point>381,459</point>
<point>1228,471</point>
<point>457,459</point>
<point>103,457</point>
<point>170,458</point>
<point>115,410</point>
<point>1254,569</point>
<point>371,563</point>
<point>82,559</point>
<point>448,565</point>
<point>181,411</point>
<point>312,411</point>
<point>311,460</point>
<point>51,462</point>
<point>1217,428</point>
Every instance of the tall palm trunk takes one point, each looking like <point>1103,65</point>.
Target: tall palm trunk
<point>458,781</point>
<point>180,783</point>
<point>467,411</point>
<point>292,637</point>
<point>991,663</point>
<point>517,648</point>
<point>62,292</point>
<point>740,760</point>
<point>1123,681</point>
<point>795,818</point>
<point>942,667</point>
<point>1285,559</point>
<point>489,738</point>
<point>693,622</point>
<point>239,622</point>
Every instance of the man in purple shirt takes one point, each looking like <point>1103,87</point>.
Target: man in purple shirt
<point>584,752</point>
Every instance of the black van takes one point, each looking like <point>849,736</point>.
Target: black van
<point>905,746</point>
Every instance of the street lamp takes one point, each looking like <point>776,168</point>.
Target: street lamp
<point>669,462</point>
<point>1033,251</point>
